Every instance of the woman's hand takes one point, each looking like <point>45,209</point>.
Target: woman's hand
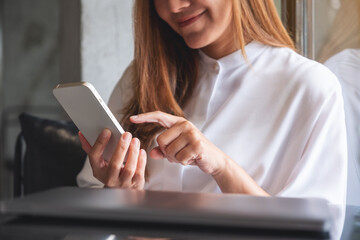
<point>115,172</point>
<point>183,143</point>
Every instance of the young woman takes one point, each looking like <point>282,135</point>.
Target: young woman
<point>222,103</point>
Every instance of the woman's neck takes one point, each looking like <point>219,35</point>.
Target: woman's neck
<point>223,47</point>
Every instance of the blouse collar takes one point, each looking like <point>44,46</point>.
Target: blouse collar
<point>235,59</point>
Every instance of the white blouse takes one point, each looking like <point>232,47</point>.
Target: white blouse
<point>280,116</point>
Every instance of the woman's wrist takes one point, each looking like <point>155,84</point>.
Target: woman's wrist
<point>222,168</point>
<point>231,178</point>
<point>224,173</point>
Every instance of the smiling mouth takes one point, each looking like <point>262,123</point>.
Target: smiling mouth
<point>186,22</point>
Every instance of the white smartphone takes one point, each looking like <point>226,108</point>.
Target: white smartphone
<point>90,114</point>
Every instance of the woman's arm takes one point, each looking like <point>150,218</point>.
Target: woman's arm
<point>233,179</point>
<point>183,143</point>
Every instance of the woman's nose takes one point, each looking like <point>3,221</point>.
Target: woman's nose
<point>178,5</point>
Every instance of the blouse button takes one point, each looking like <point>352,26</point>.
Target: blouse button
<point>216,67</point>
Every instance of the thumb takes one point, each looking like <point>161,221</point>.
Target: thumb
<point>156,153</point>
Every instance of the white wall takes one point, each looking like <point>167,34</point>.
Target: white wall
<point>107,42</point>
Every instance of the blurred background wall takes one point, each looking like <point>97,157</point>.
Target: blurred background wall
<point>106,42</point>
<point>31,66</point>
<point>46,42</point>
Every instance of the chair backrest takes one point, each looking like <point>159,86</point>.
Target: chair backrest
<point>345,65</point>
<point>352,114</point>
<point>52,155</point>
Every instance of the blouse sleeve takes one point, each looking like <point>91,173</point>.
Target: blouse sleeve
<point>322,169</point>
<point>118,99</point>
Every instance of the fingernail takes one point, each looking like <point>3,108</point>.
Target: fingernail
<point>126,136</point>
<point>136,142</point>
<point>134,116</point>
<point>105,133</point>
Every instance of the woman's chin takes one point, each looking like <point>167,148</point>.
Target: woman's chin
<point>195,41</point>
<point>195,44</point>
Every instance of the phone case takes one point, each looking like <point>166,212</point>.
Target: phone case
<point>90,114</point>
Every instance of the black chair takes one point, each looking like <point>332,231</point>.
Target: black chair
<point>48,154</point>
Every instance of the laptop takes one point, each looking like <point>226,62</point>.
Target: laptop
<point>202,209</point>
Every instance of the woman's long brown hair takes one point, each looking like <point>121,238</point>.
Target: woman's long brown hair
<point>165,69</point>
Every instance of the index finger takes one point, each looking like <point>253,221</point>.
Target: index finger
<point>164,119</point>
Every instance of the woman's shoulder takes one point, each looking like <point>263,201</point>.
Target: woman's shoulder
<point>305,73</point>
<point>122,92</point>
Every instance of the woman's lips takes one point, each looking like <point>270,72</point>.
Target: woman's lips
<point>183,22</point>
